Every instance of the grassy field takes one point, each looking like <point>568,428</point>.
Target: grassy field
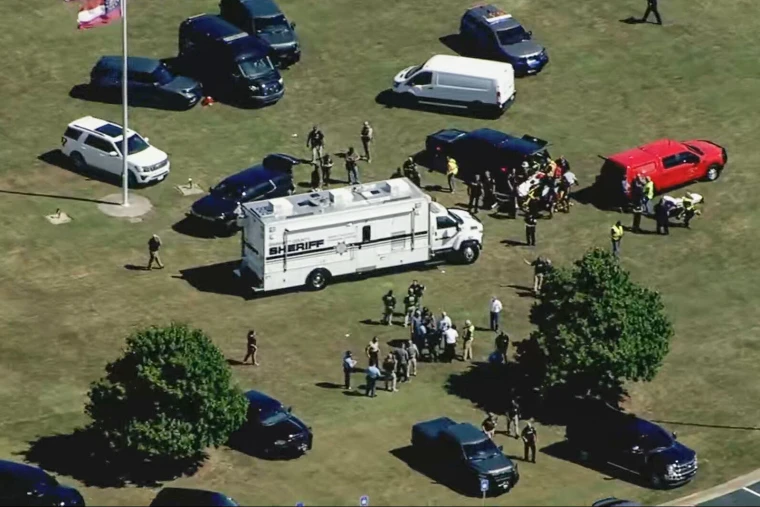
<point>67,302</point>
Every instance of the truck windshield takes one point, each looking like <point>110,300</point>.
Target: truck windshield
<point>412,71</point>
<point>512,35</point>
<point>481,450</point>
<point>657,439</point>
<point>272,24</point>
<point>256,68</point>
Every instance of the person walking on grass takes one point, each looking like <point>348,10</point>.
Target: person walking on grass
<point>529,438</point>
<point>495,309</point>
<point>252,348</point>
<point>326,164</point>
<point>368,138</point>
<point>502,346</point>
<point>349,363</point>
<point>315,140</point>
<point>467,338</point>
<point>389,370</point>
<point>475,191</point>
<point>513,417</point>
<point>402,363</point>
<point>616,234</point>
<point>373,352</point>
<point>489,425</point>
<point>373,374</point>
<point>541,266</point>
<point>652,9</point>
<point>414,353</point>
<point>154,245</point>
<point>450,337</point>
<point>452,169</point>
<point>410,306</point>
<point>389,305</point>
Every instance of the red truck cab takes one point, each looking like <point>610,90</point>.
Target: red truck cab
<point>669,163</point>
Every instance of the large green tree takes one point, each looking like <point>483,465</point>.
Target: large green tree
<point>596,328</point>
<point>168,397</point>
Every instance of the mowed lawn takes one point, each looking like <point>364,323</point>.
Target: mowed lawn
<point>67,302</point>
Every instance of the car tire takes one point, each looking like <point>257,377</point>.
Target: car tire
<point>655,481</point>
<point>713,172</point>
<point>77,160</point>
<point>469,253</point>
<point>132,180</point>
<point>318,279</point>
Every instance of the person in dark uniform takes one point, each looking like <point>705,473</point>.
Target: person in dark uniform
<point>316,141</point>
<point>475,191</point>
<point>327,164</point>
<point>252,348</point>
<point>489,188</point>
<point>389,305</point>
<point>661,215</point>
<point>502,346</point>
<point>652,9</point>
<point>418,289</point>
<point>530,229</point>
<point>530,438</point>
<point>349,363</point>
<point>637,211</point>
<point>352,166</point>
<point>489,425</point>
<point>512,202</point>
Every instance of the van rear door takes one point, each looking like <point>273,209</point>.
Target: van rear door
<point>505,84</point>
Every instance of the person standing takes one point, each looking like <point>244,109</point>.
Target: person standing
<point>450,337</point>
<point>530,438</point>
<point>662,215</point>
<point>530,229</point>
<point>389,370</point>
<point>326,163</point>
<point>402,363</point>
<point>349,363</point>
<point>512,197</point>
<point>489,191</point>
<point>444,323</point>
<point>368,138</point>
<point>373,373</point>
<point>489,425</point>
<point>414,354</point>
<point>389,305</point>
<point>475,191</point>
<point>154,245</point>
<point>352,166</point>
<point>373,352</point>
<point>252,348</point>
<point>513,417</point>
<point>616,234</point>
<point>541,266</point>
<point>652,9</point>
<point>648,195</point>
<point>452,169</point>
<point>467,339</point>
<point>410,306</point>
<point>637,211</point>
<point>502,345</point>
<point>495,312</point>
<point>418,289</point>
<point>316,141</point>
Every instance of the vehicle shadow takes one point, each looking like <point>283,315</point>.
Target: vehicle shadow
<point>390,100</point>
<point>456,43</point>
<point>194,228</point>
<point>215,278</point>
<point>58,159</point>
<point>84,92</point>
<point>437,474</point>
<point>84,456</point>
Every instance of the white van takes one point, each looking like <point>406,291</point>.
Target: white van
<point>458,82</point>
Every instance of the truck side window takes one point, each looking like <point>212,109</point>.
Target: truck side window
<point>445,223</point>
<point>422,79</point>
<point>366,234</point>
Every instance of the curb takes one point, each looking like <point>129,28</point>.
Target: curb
<point>717,491</point>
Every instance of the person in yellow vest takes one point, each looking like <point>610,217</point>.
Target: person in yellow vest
<point>617,235</point>
<point>452,169</point>
<point>649,195</point>
<point>469,335</point>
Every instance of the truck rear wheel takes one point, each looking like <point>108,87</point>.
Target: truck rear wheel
<point>317,279</point>
<point>469,253</point>
<point>713,172</point>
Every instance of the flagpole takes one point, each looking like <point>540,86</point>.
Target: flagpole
<point>124,76</point>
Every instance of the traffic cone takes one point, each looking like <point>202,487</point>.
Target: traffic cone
<point>208,101</point>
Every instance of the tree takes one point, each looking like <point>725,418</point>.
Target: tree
<point>596,329</point>
<point>168,397</point>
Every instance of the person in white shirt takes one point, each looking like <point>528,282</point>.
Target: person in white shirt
<point>450,337</point>
<point>444,323</point>
<point>495,309</point>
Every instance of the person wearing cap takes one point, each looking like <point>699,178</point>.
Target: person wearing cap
<point>452,169</point>
<point>349,363</point>
<point>368,136</point>
<point>316,141</point>
<point>649,195</point>
<point>154,244</point>
<point>467,339</point>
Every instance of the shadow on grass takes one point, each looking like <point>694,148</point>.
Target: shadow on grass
<point>564,451</point>
<point>195,228</point>
<point>53,196</point>
<point>423,464</point>
<point>329,385</point>
<point>85,457</point>
<point>512,242</point>
<point>58,159</point>
<point>235,362</point>
<point>716,426</point>
<point>630,20</point>
<point>390,99</point>
<point>456,43</point>
<point>134,267</point>
<point>216,278</point>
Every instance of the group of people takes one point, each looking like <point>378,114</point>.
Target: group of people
<point>399,365</point>
<point>529,435</point>
<point>322,163</point>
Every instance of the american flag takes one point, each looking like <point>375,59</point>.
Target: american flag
<point>94,13</point>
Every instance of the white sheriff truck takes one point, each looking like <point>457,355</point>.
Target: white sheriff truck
<point>309,239</point>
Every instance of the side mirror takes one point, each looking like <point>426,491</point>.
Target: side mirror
<point>530,32</point>
<point>293,25</point>
<point>113,154</point>
<point>147,139</point>
<point>674,435</point>
<point>290,409</point>
<point>501,447</point>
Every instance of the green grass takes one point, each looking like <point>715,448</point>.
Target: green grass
<point>67,302</point>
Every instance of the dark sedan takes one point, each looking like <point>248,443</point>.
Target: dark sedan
<point>22,484</point>
<point>149,83</point>
<point>273,177</point>
<point>271,429</point>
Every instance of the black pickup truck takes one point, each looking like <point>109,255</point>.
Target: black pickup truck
<point>610,436</point>
<point>466,453</point>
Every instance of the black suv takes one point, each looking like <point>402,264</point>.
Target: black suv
<point>22,484</point>
<point>632,444</point>
<point>229,62</point>
<point>149,83</point>
<point>264,19</point>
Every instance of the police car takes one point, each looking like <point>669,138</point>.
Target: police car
<point>91,143</point>
<point>493,34</point>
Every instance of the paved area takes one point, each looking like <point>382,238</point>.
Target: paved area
<point>742,491</point>
<point>138,206</point>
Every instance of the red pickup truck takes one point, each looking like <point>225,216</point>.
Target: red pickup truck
<point>669,163</point>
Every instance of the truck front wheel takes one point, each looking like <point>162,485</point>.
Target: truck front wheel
<point>655,481</point>
<point>318,279</point>
<point>469,253</point>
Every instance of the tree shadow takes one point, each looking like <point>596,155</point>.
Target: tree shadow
<point>215,278</point>
<point>195,228</point>
<point>456,43</point>
<point>85,457</point>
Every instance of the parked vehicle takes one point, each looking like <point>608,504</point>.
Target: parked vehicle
<point>265,19</point>
<point>273,177</point>
<point>230,63</point>
<point>493,34</point>
<point>484,150</point>
<point>309,239</point>
<point>478,86</point>
<point>669,163</point>
<point>466,453</point>
<point>22,484</point>
<point>91,143</point>
<point>149,83</point>
<point>272,430</point>
<point>169,497</point>
<point>602,433</point>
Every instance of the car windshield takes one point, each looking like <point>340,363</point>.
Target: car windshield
<point>277,163</point>
<point>228,190</point>
<point>272,417</point>
<point>512,35</point>
<point>255,68</point>
<point>412,71</point>
<point>695,149</point>
<point>135,144</point>
<point>272,24</point>
<point>162,75</point>
<point>481,450</point>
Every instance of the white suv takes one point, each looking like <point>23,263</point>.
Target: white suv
<point>92,143</point>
